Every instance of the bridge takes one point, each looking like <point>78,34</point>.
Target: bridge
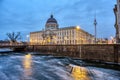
<point>98,52</point>
<point>14,47</point>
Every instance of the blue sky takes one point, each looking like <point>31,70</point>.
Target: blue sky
<point>26,16</point>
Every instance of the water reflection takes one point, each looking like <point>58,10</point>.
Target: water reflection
<point>79,73</point>
<point>27,63</point>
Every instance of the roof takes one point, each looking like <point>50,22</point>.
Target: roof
<point>51,20</point>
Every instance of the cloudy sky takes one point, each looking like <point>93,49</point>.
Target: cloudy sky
<point>26,16</point>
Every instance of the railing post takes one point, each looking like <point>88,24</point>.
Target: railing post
<point>115,53</point>
<point>80,51</point>
<point>33,48</point>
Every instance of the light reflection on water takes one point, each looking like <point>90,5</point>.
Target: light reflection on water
<point>79,73</point>
<point>27,63</point>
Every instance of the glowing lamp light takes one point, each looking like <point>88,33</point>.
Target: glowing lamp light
<point>77,27</point>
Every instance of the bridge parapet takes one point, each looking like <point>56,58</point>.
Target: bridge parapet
<point>101,52</point>
<point>14,47</point>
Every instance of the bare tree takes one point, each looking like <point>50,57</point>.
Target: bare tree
<point>13,37</point>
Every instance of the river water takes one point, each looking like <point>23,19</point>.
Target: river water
<point>25,66</point>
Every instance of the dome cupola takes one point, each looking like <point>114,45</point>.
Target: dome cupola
<point>51,24</point>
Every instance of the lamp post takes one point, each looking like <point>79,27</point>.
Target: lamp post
<point>78,28</point>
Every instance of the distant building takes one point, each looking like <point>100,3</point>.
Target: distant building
<point>117,23</point>
<point>52,34</point>
<point>4,42</point>
<point>102,41</point>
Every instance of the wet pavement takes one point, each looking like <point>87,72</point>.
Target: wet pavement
<point>30,67</point>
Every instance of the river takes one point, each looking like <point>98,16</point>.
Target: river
<point>25,66</point>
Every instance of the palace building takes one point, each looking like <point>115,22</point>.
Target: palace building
<point>52,34</point>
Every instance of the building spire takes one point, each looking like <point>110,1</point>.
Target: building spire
<point>51,16</point>
<point>95,24</point>
<point>95,21</point>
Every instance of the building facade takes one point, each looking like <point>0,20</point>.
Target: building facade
<point>52,34</point>
<point>117,22</point>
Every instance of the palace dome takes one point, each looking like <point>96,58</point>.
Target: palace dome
<point>51,24</point>
<point>51,20</point>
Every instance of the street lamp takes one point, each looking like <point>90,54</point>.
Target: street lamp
<point>78,28</point>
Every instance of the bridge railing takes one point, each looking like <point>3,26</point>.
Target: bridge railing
<point>101,52</point>
<point>9,44</point>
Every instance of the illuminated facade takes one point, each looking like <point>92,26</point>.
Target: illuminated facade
<point>55,35</point>
<point>117,23</point>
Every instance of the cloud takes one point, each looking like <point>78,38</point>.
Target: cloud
<point>31,15</point>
